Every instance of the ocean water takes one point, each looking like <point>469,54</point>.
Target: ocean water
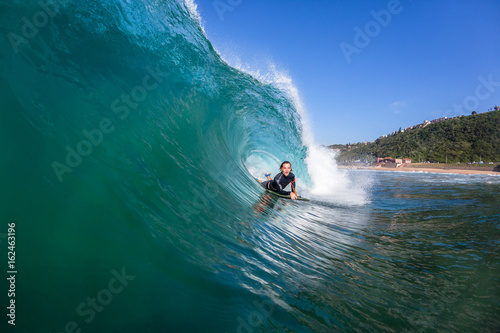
<point>129,151</point>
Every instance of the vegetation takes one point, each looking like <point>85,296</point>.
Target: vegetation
<point>464,139</point>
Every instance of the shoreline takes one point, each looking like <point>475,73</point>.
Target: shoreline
<point>426,170</point>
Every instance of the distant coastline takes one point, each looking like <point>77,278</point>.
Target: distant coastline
<point>464,139</point>
<point>432,168</point>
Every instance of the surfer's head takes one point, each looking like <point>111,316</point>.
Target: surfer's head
<point>286,167</point>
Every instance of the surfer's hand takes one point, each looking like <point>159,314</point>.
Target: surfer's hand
<point>293,196</point>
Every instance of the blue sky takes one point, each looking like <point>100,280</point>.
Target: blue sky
<point>360,77</point>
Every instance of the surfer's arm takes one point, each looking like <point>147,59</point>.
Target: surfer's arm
<point>293,194</point>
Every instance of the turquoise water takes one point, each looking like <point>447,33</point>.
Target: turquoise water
<point>129,149</point>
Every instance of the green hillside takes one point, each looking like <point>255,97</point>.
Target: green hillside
<point>464,139</point>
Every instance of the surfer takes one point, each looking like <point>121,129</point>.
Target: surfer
<point>281,180</point>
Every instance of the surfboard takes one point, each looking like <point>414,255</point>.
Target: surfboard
<point>287,196</point>
<point>282,195</point>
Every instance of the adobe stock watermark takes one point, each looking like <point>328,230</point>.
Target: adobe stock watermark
<point>483,91</point>
<point>372,29</point>
<point>87,309</point>
<point>121,107</point>
<point>222,6</point>
<point>31,28</point>
<point>255,318</point>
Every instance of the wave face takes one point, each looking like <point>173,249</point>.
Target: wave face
<point>130,98</point>
<point>126,133</point>
<point>129,150</point>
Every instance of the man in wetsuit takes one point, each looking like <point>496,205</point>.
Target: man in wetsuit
<point>281,180</point>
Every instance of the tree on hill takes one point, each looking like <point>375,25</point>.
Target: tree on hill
<point>463,139</point>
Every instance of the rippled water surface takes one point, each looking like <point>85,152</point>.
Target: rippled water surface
<point>422,254</point>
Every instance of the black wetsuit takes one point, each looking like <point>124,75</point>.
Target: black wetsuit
<point>279,183</point>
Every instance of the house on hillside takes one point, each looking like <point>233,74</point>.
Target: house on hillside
<point>385,160</point>
<point>439,120</point>
<point>390,162</point>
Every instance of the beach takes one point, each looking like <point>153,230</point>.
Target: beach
<point>433,168</point>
